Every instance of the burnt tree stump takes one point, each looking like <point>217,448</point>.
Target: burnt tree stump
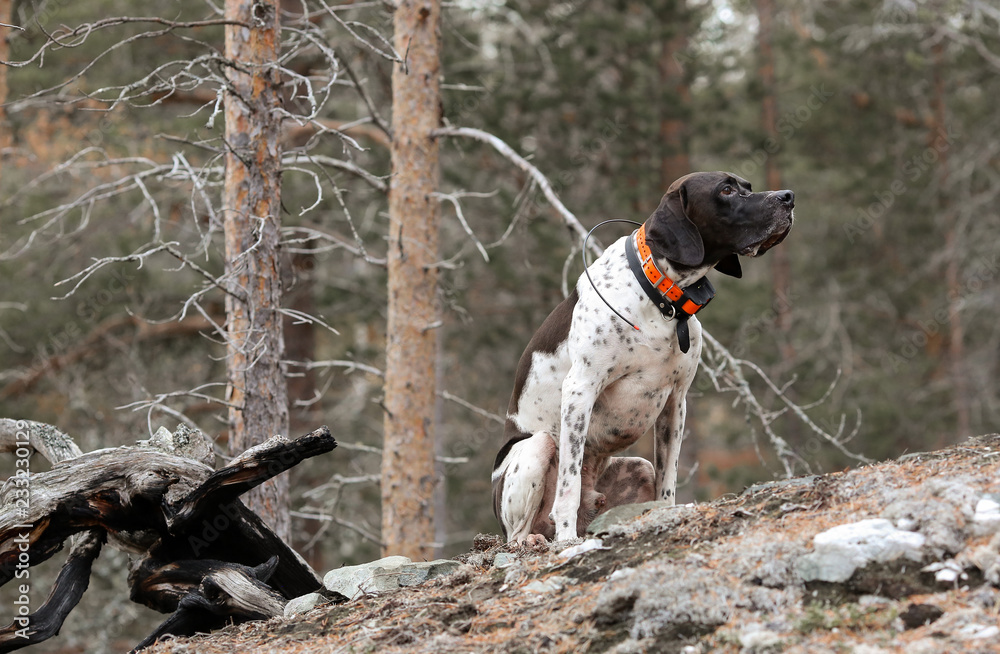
<point>202,555</point>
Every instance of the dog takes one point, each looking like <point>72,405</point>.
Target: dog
<point>591,382</point>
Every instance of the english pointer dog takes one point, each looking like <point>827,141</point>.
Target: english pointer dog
<point>591,382</point>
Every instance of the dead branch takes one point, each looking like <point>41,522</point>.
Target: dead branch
<point>202,554</point>
<point>219,593</point>
<point>45,439</point>
<point>72,582</point>
<point>508,153</point>
<point>297,135</point>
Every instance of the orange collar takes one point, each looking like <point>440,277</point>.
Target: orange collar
<point>677,299</point>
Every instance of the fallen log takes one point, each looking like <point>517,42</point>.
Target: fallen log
<point>202,554</point>
<point>39,437</point>
<point>221,593</point>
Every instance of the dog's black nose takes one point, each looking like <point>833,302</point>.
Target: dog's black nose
<point>786,197</point>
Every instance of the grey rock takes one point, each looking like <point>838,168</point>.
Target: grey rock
<point>417,573</point>
<point>303,603</point>
<point>378,576</point>
<point>550,585</point>
<point>385,574</point>
<point>504,559</point>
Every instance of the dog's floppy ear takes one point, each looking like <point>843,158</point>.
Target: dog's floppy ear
<point>730,266</point>
<point>671,229</point>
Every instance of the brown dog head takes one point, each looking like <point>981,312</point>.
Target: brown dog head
<point>709,219</point>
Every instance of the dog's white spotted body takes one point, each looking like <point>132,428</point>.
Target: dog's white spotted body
<point>604,386</point>
<point>589,385</point>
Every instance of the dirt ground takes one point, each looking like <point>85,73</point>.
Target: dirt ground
<point>722,576</point>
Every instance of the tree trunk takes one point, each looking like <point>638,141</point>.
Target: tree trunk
<point>956,332</point>
<point>675,131</point>
<point>255,348</point>
<point>300,341</point>
<point>780,268</point>
<point>408,457</point>
<point>675,162</point>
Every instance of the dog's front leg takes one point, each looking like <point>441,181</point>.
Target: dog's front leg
<point>579,393</point>
<point>668,430</point>
<point>668,433</point>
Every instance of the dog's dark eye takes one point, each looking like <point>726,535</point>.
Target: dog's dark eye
<point>727,190</point>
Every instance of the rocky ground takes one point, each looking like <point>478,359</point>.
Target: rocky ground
<point>898,556</point>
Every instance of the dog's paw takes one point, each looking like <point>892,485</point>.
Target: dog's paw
<point>536,543</point>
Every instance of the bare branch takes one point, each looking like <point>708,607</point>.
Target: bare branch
<point>507,152</point>
<point>465,225</point>
<point>45,439</point>
<point>377,183</point>
<point>376,118</point>
<point>489,415</point>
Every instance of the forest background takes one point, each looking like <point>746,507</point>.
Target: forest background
<point>882,302</point>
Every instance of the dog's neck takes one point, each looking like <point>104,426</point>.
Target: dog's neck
<point>680,276</point>
<point>671,297</point>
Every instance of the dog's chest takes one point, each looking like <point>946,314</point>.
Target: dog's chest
<point>636,371</point>
<point>636,385</point>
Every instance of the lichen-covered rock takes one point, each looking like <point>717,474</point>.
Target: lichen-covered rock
<point>504,559</point>
<point>385,574</point>
<point>661,514</point>
<point>622,514</point>
<point>417,573</point>
<point>352,581</point>
<point>667,602</point>
<point>939,509</point>
<point>764,559</point>
<point>303,603</point>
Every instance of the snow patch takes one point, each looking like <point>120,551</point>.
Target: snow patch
<point>840,551</point>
